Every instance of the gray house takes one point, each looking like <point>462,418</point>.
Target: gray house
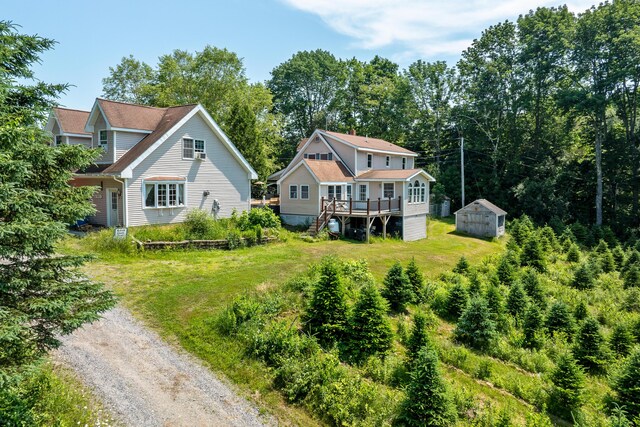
<point>157,163</point>
<point>481,218</point>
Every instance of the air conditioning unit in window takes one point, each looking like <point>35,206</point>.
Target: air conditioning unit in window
<point>201,156</point>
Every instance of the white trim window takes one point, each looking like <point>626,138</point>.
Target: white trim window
<point>164,194</point>
<point>404,163</point>
<point>348,191</point>
<point>334,192</point>
<point>410,193</point>
<point>103,138</point>
<point>293,191</point>
<point>363,192</point>
<point>387,161</point>
<point>417,192</point>
<point>369,160</point>
<point>423,193</point>
<point>388,190</point>
<point>58,141</point>
<point>191,147</point>
<point>304,192</point>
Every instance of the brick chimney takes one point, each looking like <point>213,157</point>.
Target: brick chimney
<point>352,132</point>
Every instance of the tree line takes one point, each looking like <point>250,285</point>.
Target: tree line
<point>547,105</point>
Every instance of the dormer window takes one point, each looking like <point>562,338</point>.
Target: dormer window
<point>103,139</point>
<point>369,160</point>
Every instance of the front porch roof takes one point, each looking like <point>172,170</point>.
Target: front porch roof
<point>392,175</point>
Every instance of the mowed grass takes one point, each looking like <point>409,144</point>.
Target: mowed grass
<point>179,292</point>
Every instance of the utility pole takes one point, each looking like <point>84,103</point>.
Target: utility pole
<point>462,168</point>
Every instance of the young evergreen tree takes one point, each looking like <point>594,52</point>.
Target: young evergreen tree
<point>580,312</point>
<point>521,229</point>
<point>506,270</point>
<point>573,254</point>
<point>606,261</point>
<point>397,288</point>
<point>548,239</point>
<point>618,256</point>
<point>326,314</point>
<point>633,258</point>
<point>428,402</point>
<point>566,396</point>
<point>627,385</point>
<point>462,267</point>
<point>532,254</point>
<point>416,278</point>
<point>457,300</point>
<point>418,337</point>
<point>532,327</point>
<point>475,283</point>
<point>621,340</point>
<point>43,294</point>
<point>533,287</point>
<point>496,306</point>
<point>475,327</point>
<point>589,349</point>
<point>632,277</point>
<point>583,277</point>
<point>369,331</point>
<point>559,319</point>
<point>517,300</point>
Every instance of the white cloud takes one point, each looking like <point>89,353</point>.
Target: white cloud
<point>419,27</point>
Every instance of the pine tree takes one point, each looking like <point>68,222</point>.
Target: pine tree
<point>533,255</point>
<point>618,256</point>
<point>475,283</point>
<point>369,331</point>
<point>533,287</point>
<point>602,247</point>
<point>632,277</point>
<point>621,340</point>
<point>589,349</point>
<point>416,278</point>
<point>418,337</point>
<point>627,384</point>
<point>521,229</point>
<point>559,319</point>
<point>565,398</point>
<point>428,402</point>
<point>548,239</point>
<point>632,259</point>
<point>607,262</point>
<point>583,277</point>
<point>397,288</point>
<point>581,312</point>
<point>517,300</point>
<point>532,327</point>
<point>506,270</point>
<point>462,267</point>
<point>457,300</point>
<point>475,327</point>
<point>326,313</point>
<point>573,254</point>
<point>496,306</point>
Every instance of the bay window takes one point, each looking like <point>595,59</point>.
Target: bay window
<point>159,194</point>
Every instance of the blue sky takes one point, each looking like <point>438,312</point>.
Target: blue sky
<point>92,36</point>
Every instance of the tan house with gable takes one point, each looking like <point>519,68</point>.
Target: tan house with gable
<point>365,183</point>
<point>157,163</point>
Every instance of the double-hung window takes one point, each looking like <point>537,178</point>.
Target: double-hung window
<point>369,160</point>
<point>293,191</point>
<point>388,161</point>
<point>404,163</point>
<point>388,190</point>
<point>362,192</point>
<point>191,147</point>
<point>164,194</point>
<point>103,139</point>
<point>304,192</point>
<point>58,140</point>
<point>348,191</point>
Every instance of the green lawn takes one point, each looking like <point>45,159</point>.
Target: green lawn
<point>176,292</point>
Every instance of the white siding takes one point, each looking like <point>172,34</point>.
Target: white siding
<point>99,125</point>
<point>220,174</point>
<point>76,140</point>
<point>415,208</point>
<point>414,227</point>
<point>126,140</point>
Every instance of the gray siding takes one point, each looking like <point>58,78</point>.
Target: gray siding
<point>478,221</point>
<point>220,174</point>
<point>108,155</point>
<point>380,161</point>
<point>75,140</point>
<point>346,153</point>
<point>125,141</point>
<point>414,227</point>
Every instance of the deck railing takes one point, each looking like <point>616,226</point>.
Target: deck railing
<point>369,206</point>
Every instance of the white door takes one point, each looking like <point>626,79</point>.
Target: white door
<point>112,208</point>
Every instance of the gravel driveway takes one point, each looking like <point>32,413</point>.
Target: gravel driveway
<point>145,382</point>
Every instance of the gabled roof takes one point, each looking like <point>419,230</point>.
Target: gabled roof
<point>71,121</point>
<point>487,204</point>
<point>171,116</point>
<point>364,143</point>
<point>393,174</point>
<point>301,143</point>
<point>120,115</point>
<point>329,170</point>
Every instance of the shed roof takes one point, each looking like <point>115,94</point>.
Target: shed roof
<point>485,203</point>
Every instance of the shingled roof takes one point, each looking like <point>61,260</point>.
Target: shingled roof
<point>329,170</point>
<point>71,121</point>
<point>389,174</point>
<point>131,116</point>
<point>366,142</point>
<point>487,204</point>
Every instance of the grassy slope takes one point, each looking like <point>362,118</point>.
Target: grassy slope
<point>177,292</point>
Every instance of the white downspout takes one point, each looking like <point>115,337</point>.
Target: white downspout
<point>125,217</point>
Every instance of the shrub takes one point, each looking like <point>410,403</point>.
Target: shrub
<point>532,328</point>
<point>589,349</point>
<point>416,279</point>
<point>428,402</point>
<point>627,385</point>
<point>583,277</point>
<point>369,332</point>
<point>457,300</point>
<point>621,340</point>
<point>279,342</point>
<point>475,327</point>
<point>234,239</point>
<point>462,267</point>
<point>199,224</point>
<point>560,320</point>
<point>397,288</point>
<point>568,386</point>
<point>573,254</point>
<point>326,313</point>
<point>236,314</point>
<point>263,217</point>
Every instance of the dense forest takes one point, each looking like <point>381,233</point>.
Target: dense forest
<point>547,107</point>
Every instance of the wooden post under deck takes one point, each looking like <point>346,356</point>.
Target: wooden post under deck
<point>378,205</point>
<point>350,205</point>
<point>385,219</point>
